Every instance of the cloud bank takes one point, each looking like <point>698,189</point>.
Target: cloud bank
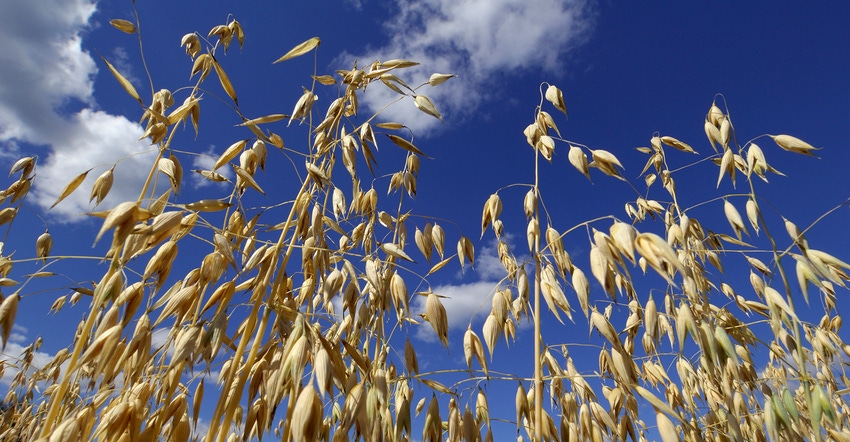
<point>477,40</point>
<point>46,100</point>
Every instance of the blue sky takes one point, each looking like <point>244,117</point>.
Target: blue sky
<point>627,70</point>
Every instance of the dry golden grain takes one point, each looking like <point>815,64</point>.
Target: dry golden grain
<point>43,245</point>
<point>465,250</point>
<point>438,238</point>
<point>546,146</point>
<point>776,300</point>
<point>303,106</point>
<point>25,164</point>
<point>725,128</point>
<point>532,234</point>
<point>70,187</point>
<point>759,265</point>
<point>8,310</point>
<point>307,419</point>
<point>207,206</point>
<point>435,314</point>
<point>624,236</point>
<point>582,288</point>
<point>424,104</point>
<point>423,242</point>
<point>605,161</point>
<point>666,429</point>
<point>244,177</point>
<point>410,360</point>
<point>491,332</point>
<point>734,218</point>
<point>674,143</point>
<point>436,79</point>
<point>794,144</point>
<point>553,294</point>
<point>556,97</point>
<point>395,251</point>
<point>578,159</point>
<point>101,186</point>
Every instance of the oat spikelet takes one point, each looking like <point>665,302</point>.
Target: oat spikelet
<point>491,332</point>
<point>307,419</point>
<point>395,251</point>
<point>437,79</point>
<point>410,360</point>
<point>556,97</point>
<point>465,251</point>
<point>424,243</point>
<point>666,428</point>
<point>582,288</point>
<point>605,161</point>
<point>529,203</point>
<point>578,159</point>
<point>674,143</point>
<point>438,238</point>
<point>8,310</point>
<point>794,144</point>
<point>734,218</point>
<point>70,187</point>
<point>424,104</point>
<point>753,214</point>
<point>43,245</point>
<point>435,314</point>
<point>101,186</point>
<point>120,215</point>
<point>472,347</point>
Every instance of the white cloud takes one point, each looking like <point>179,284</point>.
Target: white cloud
<point>466,302</point>
<point>476,39</point>
<point>43,69</point>
<point>11,355</point>
<point>94,139</point>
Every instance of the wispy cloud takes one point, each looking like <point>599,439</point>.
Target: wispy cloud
<point>44,71</point>
<point>477,40</point>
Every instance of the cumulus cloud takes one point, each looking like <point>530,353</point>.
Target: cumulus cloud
<point>43,72</point>
<point>468,302</point>
<point>477,40</point>
<point>12,355</point>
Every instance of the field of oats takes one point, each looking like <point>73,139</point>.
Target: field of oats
<point>311,275</point>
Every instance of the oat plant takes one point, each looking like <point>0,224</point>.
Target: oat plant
<point>688,352</point>
<point>295,304</point>
<point>286,308</point>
